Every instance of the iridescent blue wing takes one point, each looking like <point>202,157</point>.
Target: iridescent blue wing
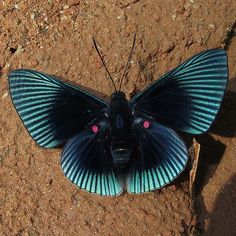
<point>188,97</point>
<point>51,110</point>
<point>159,156</point>
<point>86,160</point>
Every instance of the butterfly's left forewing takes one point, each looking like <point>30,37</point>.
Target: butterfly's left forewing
<point>159,156</point>
<point>52,111</point>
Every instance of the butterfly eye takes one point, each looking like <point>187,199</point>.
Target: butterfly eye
<point>95,128</point>
<point>146,124</point>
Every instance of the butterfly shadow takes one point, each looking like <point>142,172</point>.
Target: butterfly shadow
<point>212,150</point>
<point>222,218</point>
<point>211,153</point>
<point>225,123</point>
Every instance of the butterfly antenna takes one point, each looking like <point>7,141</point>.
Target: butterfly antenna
<point>128,62</point>
<point>96,47</point>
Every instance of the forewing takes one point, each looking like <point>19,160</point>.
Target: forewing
<point>86,160</point>
<point>159,156</point>
<point>188,97</point>
<point>51,110</point>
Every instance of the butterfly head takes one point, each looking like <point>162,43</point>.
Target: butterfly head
<point>118,95</point>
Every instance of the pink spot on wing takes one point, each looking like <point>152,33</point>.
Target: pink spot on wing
<point>95,128</point>
<point>146,124</point>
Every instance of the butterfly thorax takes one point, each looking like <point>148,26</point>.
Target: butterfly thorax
<point>120,120</point>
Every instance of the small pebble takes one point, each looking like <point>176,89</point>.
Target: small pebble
<point>32,16</point>
<point>174,187</point>
<point>5,95</point>
<point>173,17</point>
<point>211,26</point>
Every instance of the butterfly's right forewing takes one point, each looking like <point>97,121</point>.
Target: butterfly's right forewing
<point>188,97</point>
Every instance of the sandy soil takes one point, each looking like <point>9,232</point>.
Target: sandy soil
<point>55,37</point>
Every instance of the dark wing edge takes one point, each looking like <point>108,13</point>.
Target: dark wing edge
<point>87,162</point>
<point>188,97</point>
<point>51,110</point>
<point>160,156</point>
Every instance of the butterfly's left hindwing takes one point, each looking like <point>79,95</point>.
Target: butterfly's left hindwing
<point>86,160</point>
<point>51,110</point>
<point>159,156</point>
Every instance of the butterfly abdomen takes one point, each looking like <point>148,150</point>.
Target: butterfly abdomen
<point>120,120</point>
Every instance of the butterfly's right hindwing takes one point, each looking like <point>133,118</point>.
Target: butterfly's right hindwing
<point>51,110</point>
<point>159,156</point>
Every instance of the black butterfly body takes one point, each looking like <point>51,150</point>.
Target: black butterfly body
<point>103,141</point>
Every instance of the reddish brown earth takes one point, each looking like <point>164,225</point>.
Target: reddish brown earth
<point>55,37</point>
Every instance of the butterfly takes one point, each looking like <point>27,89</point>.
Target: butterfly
<point>122,145</point>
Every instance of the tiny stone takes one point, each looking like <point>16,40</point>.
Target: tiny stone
<point>194,222</point>
<point>6,67</point>
<point>64,17</point>
<point>4,95</point>
<point>173,17</point>
<point>66,6</point>
<point>32,16</point>
<point>19,50</point>
<point>211,26</point>
<point>174,187</point>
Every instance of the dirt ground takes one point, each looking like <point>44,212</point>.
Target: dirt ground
<point>56,37</point>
